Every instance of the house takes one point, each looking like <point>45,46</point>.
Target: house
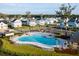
<point>41,22</point>
<point>66,20</point>
<point>16,23</point>
<point>51,20</point>
<point>47,21</point>
<point>3,25</point>
<point>32,23</point>
<point>1,19</point>
<point>73,23</point>
<point>77,21</point>
<point>24,21</point>
<point>63,23</point>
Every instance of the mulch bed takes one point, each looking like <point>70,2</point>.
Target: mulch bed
<point>68,51</point>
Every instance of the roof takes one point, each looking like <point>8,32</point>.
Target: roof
<point>71,20</point>
<point>4,21</point>
<point>77,21</point>
<point>13,20</point>
<point>24,19</point>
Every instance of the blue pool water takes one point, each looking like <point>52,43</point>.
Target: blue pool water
<point>43,39</point>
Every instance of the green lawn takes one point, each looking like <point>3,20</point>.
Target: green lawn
<point>26,49</point>
<point>29,27</point>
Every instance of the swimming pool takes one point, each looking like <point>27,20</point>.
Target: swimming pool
<point>41,39</point>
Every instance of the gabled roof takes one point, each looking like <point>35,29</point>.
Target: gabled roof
<point>13,20</point>
<point>72,20</point>
<point>24,20</point>
<point>4,21</point>
<point>77,21</point>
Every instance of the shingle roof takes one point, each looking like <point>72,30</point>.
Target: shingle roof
<point>71,20</point>
<point>13,20</point>
<point>4,21</point>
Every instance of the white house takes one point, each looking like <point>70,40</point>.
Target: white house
<point>25,21</point>
<point>32,23</point>
<point>77,21</point>
<point>3,26</point>
<point>16,23</point>
<point>47,21</point>
<point>51,20</point>
<point>1,19</point>
<point>66,20</point>
<point>41,22</point>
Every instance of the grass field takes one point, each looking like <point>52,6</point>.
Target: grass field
<point>29,27</point>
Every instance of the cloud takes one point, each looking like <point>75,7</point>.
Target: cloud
<point>49,8</point>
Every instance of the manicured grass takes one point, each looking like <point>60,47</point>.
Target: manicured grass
<point>26,49</point>
<point>29,27</point>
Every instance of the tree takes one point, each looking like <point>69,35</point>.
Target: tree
<point>28,14</point>
<point>65,11</point>
<point>41,15</point>
<point>2,15</point>
<point>19,16</point>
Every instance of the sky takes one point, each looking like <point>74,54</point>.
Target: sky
<point>34,8</point>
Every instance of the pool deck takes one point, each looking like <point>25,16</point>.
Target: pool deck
<point>14,39</point>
